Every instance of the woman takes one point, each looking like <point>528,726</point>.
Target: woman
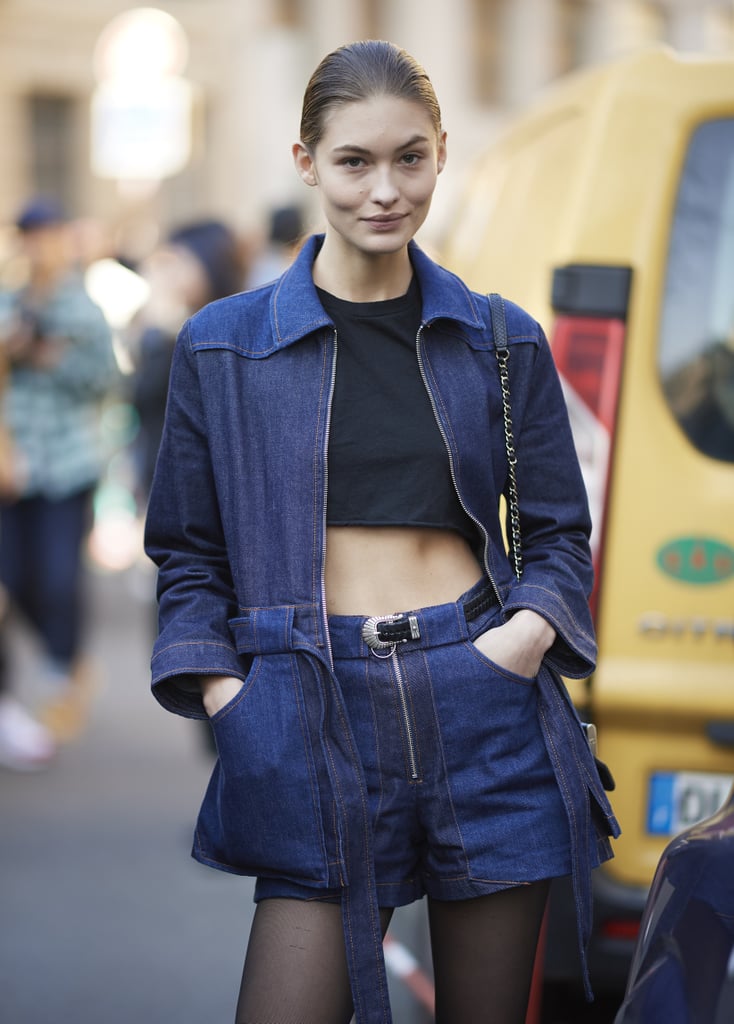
<point>335,593</point>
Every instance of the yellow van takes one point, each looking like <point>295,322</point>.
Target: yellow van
<point>607,210</point>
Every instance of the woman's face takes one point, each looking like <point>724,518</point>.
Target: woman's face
<point>375,167</point>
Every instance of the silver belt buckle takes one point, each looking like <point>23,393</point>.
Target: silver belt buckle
<point>370,633</point>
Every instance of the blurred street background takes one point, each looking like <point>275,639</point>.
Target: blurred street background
<point>104,915</point>
<point>138,118</point>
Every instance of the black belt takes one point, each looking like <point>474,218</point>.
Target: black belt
<point>380,632</point>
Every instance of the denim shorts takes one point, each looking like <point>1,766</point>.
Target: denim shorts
<point>462,794</point>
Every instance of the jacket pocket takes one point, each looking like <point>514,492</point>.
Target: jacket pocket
<point>261,812</point>
<point>571,754</point>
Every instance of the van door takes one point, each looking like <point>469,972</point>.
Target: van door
<point>663,693</point>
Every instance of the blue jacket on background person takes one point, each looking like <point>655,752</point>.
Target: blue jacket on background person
<point>237,524</point>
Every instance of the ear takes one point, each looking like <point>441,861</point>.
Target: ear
<point>304,163</point>
<point>441,153</point>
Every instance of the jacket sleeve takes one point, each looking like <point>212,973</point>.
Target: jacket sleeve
<point>184,538</point>
<point>555,523</point>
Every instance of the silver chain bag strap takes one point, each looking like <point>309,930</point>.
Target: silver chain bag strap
<point>499,329</point>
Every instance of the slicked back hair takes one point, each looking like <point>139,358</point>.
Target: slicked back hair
<point>359,71</point>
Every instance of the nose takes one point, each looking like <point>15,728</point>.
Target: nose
<point>384,190</point>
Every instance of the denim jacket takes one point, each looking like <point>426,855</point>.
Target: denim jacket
<point>237,524</point>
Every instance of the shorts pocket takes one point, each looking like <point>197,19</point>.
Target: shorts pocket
<point>485,712</point>
<point>261,813</point>
<point>503,790</point>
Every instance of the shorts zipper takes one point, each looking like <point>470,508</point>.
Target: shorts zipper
<point>403,697</point>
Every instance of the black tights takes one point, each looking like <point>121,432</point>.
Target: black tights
<point>483,953</point>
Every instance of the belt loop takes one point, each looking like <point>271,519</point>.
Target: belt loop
<point>263,630</point>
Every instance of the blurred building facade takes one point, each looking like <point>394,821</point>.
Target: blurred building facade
<point>247,64</point>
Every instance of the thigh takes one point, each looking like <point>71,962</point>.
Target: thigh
<point>60,530</point>
<point>17,523</point>
<point>484,953</point>
<point>296,969</point>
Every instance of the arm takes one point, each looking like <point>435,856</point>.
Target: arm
<point>555,523</point>
<point>185,538</point>
<point>76,345</point>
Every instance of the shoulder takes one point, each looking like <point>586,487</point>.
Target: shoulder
<point>263,320</point>
<point>241,322</point>
<point>447,297</point>
<point>521,326</point>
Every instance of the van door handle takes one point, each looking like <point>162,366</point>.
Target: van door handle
<point>721,733</point>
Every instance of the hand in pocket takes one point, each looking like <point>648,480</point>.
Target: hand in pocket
<point>218,691</point>
<point>519,644</point>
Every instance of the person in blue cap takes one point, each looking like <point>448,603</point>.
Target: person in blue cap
<point>57,349</point>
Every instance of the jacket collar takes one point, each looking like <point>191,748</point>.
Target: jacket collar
<point>296,311</point>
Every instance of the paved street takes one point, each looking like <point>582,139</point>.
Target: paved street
<point>105,917</point>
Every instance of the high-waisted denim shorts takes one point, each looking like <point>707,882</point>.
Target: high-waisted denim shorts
<point>462,794</point>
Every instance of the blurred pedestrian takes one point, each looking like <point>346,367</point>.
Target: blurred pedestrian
<point>25,743</point>
<point>198,263</point>
<point>335,593</point>
<point>285,232</point>
<point>57,347</point>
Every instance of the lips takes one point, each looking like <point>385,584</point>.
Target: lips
<point>385,222</point>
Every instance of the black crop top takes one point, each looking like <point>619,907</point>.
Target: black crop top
<point>387,463</point>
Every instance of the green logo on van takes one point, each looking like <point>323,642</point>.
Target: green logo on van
<point>697,560</point>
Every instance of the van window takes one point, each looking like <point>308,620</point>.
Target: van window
<point>696,348</point>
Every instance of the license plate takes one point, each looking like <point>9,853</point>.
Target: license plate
<point>680,799</point>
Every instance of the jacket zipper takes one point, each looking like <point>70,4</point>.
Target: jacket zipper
<point>482,530</point>
<point>412,759</point>
<point>325,453</point>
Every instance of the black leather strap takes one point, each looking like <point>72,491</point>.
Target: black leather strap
<point>399,630</point>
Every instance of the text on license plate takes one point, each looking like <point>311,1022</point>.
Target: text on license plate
<point>680,799</point>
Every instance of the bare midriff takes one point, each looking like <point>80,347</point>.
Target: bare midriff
<point>379,570</point>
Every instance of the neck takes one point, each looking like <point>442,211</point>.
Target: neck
<point>363,278</point>
<point>42,279</point>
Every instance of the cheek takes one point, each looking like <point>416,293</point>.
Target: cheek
<point>343,196</point>
<point>421,190</point>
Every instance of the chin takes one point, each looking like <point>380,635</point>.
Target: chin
<point>387,244</point>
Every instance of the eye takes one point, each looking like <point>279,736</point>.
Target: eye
<point>411,159</point>
<point>352,161</point>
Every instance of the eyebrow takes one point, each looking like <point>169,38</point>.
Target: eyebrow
<point>353,148</point>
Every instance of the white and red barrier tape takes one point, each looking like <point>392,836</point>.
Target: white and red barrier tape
<point>403,965</point>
